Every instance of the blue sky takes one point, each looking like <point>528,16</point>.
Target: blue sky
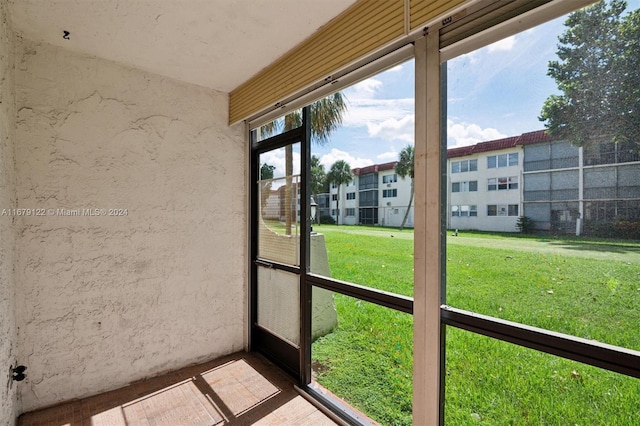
<point>493,92</point>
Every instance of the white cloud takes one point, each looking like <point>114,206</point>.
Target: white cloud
<point>388,156</point>
<point>362,112</point>
<point>392,128</point>
<point>464,134</point>
<point>397,68</point>
<point>505,44</point>
<point>365,89</point>
<point>276,158</point>
<point>336,154</point>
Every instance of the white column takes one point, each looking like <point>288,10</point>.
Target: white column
<point>427,235</point>
<point>580,220</point>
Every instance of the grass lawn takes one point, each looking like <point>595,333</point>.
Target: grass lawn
<point>587,288</point>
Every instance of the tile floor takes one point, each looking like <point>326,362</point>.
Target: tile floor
<point>239,389</point>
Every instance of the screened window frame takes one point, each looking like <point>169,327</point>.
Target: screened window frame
<point>617,359</point>
<point>427,375</point>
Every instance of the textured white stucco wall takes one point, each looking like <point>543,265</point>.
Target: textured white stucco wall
<point>8,340</point>
<point>106,300</point>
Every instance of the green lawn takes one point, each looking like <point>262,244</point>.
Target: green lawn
<point>586,288</point>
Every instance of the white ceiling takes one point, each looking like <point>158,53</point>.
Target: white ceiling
<point>213,43</point>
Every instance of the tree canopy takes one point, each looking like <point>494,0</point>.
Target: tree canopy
<point>339,173</point>
<point>326,116</point>
<point>318,176</point>
<point>598,73</point>
<point>404,168</point>
<point>266,171</point>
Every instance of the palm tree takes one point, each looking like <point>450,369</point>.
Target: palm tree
<point>266,173</point>
<point>326,116</point>
<point>404,168</point>
<point>339,173</point>
<point>318,179</point>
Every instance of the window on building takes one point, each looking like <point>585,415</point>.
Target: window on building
<point>389,193</point>
<point>368,198</point>
<point>464,166</point>
<point>502,210</point>
<point>464,211</point>
<point>334,186</point>
<point>351,212</point>
<point>502,160</point>
<point>513,182</point>
<point>470,186</point>
<point>390,178</point>
<point>335,212</point>
<point>502,183</point>
<point>467,211</point>
<point>334,197</point>
<point>351,195</point>
<point>368,181</point>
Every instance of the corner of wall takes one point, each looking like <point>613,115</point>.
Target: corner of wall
<point>137,257</point>
<point>9,406</point>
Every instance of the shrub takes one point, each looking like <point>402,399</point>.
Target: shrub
<point>626,229</point>
<point>599,229</point>
<point>327,220</point>
<point>525,225</point>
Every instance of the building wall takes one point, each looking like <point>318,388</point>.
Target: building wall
<point>8,338</point>
<point>482,198</point>
<point>392,209</point>
<point>558,190</point>
<point>107,300</point>
<point>343,204</point>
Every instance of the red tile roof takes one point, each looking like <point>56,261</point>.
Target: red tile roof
<point>528,138</point>
<point>374,168</point>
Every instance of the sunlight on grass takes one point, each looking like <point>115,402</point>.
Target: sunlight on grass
<point>496,383</point>
<point>488,382</point>
<point>368,360</point>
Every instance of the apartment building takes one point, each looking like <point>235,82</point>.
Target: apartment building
<point>569,189</point>
<point>561,187</point>
<point>484,183</point>
<point>375,196</point>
